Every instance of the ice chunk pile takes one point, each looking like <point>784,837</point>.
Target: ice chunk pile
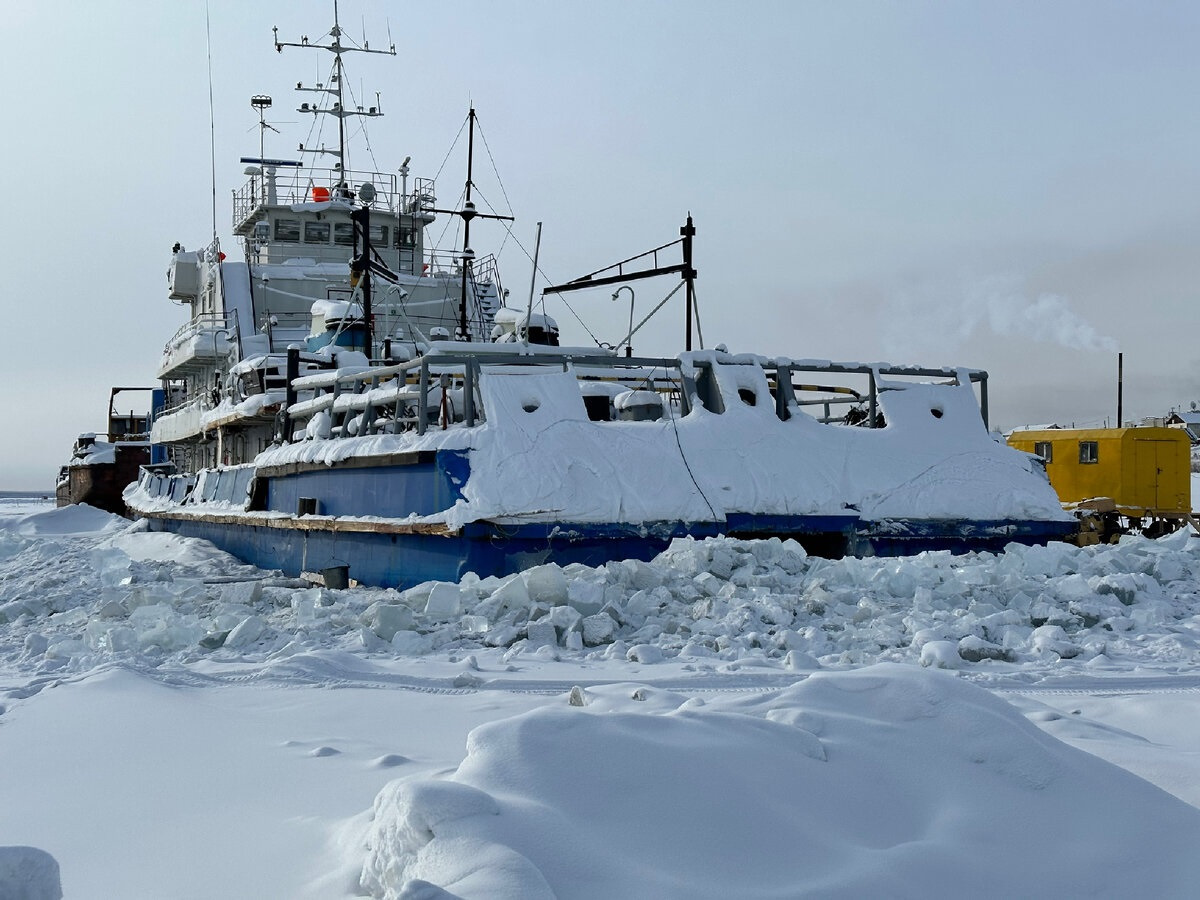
<point>779,795</point>
<point>71,600</point>
<point>723,599</point>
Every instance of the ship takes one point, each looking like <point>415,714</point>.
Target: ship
<point>344,403</point>
<point>100,468</point>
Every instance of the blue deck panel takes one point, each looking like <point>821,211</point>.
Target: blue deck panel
<point>396,491</point>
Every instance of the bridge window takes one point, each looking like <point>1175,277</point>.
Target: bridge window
<point>287,230</point>
<point>406,237</point>
<point>379,235</point>
<point>343,233</point>
<point>316,232</point>
<point>1044,449</point>
<point>1089,452</point>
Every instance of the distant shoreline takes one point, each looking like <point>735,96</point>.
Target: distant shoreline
<point>26,495</point>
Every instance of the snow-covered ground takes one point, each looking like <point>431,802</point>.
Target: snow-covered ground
<point>734,719</point>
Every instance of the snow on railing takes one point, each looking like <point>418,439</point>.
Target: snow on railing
<point>440,387</point>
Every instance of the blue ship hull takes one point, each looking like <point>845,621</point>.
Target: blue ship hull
<point>392,552</point>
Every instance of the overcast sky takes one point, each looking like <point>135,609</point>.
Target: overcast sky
<point>1011,186</point>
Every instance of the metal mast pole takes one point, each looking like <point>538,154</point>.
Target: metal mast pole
<point>468,213</point>
<point>537,249</point>
<point>341,106</point>
<point>688,231</point>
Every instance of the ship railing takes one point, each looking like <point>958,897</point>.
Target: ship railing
<point>440,388</point>
<point>182,421</point>
<point>864,408</point>
<point>292,185</point>
<point>202,323</point>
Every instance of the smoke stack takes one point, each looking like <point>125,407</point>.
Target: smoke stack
<point>1120,388</point>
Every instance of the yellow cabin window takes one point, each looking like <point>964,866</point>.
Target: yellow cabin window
<point>1044,449</point>
<point>1089,452</point>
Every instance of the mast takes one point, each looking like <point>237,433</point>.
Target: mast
<point>364,263</point>
<point>335,89</point>
<point>467,213</point>
<point>687,232</point>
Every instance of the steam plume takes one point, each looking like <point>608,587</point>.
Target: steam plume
<point>947,317</point>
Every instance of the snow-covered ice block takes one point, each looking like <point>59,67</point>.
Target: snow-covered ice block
<point>243,592</point>
<point>27,873</point>
<point>587,597</point>
<point>513,594</point>
<point>246,632</point>
<point>1053,639</point>
<point>385,619</point>
<point>721,562</point>
<point>444,602</point>
<point>565,618</point>
<point>541,633</point>
<point>941,655</point>
<point>111,564</point>
<point>411,643</point>
<point>473,625</point>
<point>65,649</point>
<point>598,629</point>
<point>646,654</point>
<point>546,584</point>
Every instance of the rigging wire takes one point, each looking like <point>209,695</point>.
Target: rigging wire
<point>453,144</point>
<point>362,132</point>
<point>540,271</point>
<point>492,160</point>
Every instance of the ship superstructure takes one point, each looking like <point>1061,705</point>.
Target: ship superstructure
<point>334,261</point>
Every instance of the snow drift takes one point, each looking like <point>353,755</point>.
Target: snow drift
<point>887,781</point>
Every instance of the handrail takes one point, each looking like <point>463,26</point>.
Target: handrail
<point>445,361</point>
<point>295,186</point>
<point>199,322</point>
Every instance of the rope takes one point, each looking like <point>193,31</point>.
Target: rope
<point>686,465</point>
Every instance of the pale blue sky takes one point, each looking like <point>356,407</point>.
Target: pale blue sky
<point>946,183</point>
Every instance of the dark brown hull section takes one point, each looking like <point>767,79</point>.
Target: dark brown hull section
<point>101,485</point>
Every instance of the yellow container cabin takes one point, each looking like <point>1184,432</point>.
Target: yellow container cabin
<point>1146,471</point>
